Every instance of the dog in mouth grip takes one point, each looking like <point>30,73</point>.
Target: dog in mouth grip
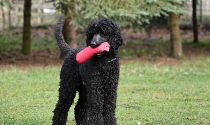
<point>92,72</point>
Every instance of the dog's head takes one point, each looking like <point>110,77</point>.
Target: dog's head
<point>104,30</point>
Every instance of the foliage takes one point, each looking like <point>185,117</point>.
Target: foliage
<point>203,44</point>
<point>5,3</point>
<point>150,49</point>
<point>65,6</point>
<point>125,12</point>
<point>147,93</point>
<point>10,45</point>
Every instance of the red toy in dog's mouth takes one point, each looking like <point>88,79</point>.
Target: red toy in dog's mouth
<point>89,52</point>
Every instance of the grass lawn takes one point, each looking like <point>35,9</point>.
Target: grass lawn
<point>147,93</point>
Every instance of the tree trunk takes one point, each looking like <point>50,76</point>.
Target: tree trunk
<point>3,15</point>
<point>176,44</point>
<point>26,45</point>
<point>194,19</point>
<point>9,17</point>
<point>69,32</point>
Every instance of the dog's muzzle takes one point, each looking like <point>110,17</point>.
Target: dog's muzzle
<point>97,40</point>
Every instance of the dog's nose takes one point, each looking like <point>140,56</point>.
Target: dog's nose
<point>97,39</point>
<point>93,43</point>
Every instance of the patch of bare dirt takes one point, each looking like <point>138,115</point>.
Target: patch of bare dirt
<point>41,58</point>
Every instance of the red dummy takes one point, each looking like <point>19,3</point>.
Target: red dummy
<point>89,52</point>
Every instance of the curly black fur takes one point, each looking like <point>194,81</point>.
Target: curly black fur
<point>96,80</point>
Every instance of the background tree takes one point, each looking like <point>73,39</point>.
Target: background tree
<point>194,20</point>
<point>3,15</point>
<point>67,7</point>
<point>130,13</point>
<point>126,13</point>
<point>9,14</point>
<point>4,4</point>
<point>176,43</point>
<point>26,45</point>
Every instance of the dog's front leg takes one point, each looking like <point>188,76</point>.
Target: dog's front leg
<point>110,96</point>
<point>110,104</point>
<point>95,101</point>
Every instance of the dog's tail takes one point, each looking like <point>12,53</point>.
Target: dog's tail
<point>64,47</point>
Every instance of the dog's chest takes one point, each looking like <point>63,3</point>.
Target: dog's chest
<point>95,73</point>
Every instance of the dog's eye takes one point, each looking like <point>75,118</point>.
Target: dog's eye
<point>105,36</point>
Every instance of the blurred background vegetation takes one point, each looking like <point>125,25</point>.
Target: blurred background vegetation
<point>26,27</point>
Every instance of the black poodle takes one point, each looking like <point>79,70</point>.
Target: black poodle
<point>96,80</point>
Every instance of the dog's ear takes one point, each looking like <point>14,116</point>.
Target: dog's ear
<point>120,38</point>
<point>116,40</point>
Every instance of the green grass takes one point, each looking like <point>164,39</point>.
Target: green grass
<point>202,44</point>
<point>147,93</point>
<point>165,95</point>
